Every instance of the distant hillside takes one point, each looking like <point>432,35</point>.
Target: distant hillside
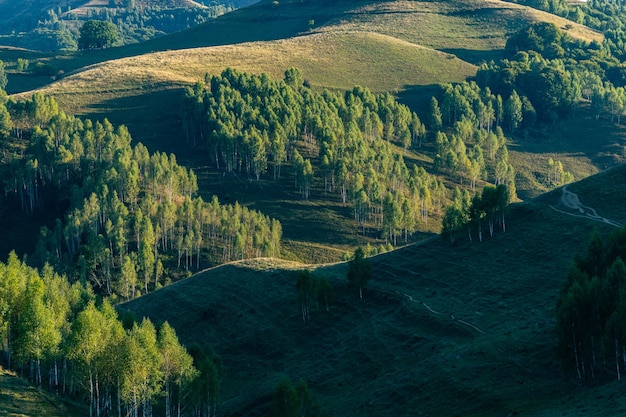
<point>472,31</point>
<point>447,330</point>
<point>51,26</point>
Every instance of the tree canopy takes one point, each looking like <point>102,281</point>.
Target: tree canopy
<point>97,34</point>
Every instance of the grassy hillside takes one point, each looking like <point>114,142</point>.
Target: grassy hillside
<point>473,30</point>
<point>336,60</point>
<point>442,330</point>
<point>19,398</point>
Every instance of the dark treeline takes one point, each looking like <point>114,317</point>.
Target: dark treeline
<point>132,219</point>
<point>58,336</point>
<point>348,142</point>
<point>591,310</point>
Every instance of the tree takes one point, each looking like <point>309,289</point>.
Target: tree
<point>305,286</point>
<point>324,291</point>
<point>359,271</point>
<point>142,375</point>
<point>206,386</point>
<point>176,366</point>
<point>3,76</point>
<point>290,401</point>
<point>435,115</point>
<point>513,111</point>
<point>96,34</point>
<point>285,401</point>
<point>6,124</point>
<point>37,335</point>
<point>293,78</point>
<point>96,332</point>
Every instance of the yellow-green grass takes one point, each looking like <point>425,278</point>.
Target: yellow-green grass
<point>18,398</point>
<point>456,25</point>
<point>335,60</point>
<point>443,330</point>
<point>473,29</point>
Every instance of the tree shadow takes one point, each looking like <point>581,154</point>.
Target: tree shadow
<point>477,57</point>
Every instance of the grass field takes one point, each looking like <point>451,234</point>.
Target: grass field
<point>464,330</point>
<point>19,398</point>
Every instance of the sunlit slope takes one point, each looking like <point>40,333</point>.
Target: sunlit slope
<point>385,46</point>
<point>336,60</point>
<point>463,25</point>
<point>443,330</point>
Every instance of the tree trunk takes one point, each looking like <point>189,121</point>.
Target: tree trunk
<point>619,376</point>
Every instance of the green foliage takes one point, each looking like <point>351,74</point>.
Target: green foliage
<point>55,29</point>
<point>130,214</point>
<point>22,64</point>
<point>359,271</point>
<point>489,206</point>
<point>253,122</point>
<point>3,77</point>
<point>592,308</point>
<point>540,37</point>
<point>311,289</point>
<point>96,34</point>
<point>206,385</point>
<point>290,401</point>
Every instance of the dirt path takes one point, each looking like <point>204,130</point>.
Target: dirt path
<point>571,200</point>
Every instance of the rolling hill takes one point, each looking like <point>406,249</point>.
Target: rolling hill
<point>402,47</point>
<point>443,330</point>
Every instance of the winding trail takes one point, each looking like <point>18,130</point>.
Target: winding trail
<point>454,319</point>
<point>571,200</point>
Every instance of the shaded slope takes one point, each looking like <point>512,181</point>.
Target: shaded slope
<point>443,330</point>
<point>19,398</point>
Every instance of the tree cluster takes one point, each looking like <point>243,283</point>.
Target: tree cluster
<point>488,208</point>
<point>97,34</point>
<point>313,290</point>
<point>293,401</point>
<point>359,271</point>
<point>57,335</point>
<point>253,124</point>
<point>130,217</point>
<point>469,143</point>
<point>591,310</point>
<point>550,71</point>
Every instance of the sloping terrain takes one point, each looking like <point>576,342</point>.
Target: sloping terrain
<point>475,30</point>
<point>443,330</point>
<point>384,46</point>
<point>19,398</point>
<point>335,60</point>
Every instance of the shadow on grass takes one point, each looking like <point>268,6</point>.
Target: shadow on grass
<point>477,57</point>
<point>602,141</point>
